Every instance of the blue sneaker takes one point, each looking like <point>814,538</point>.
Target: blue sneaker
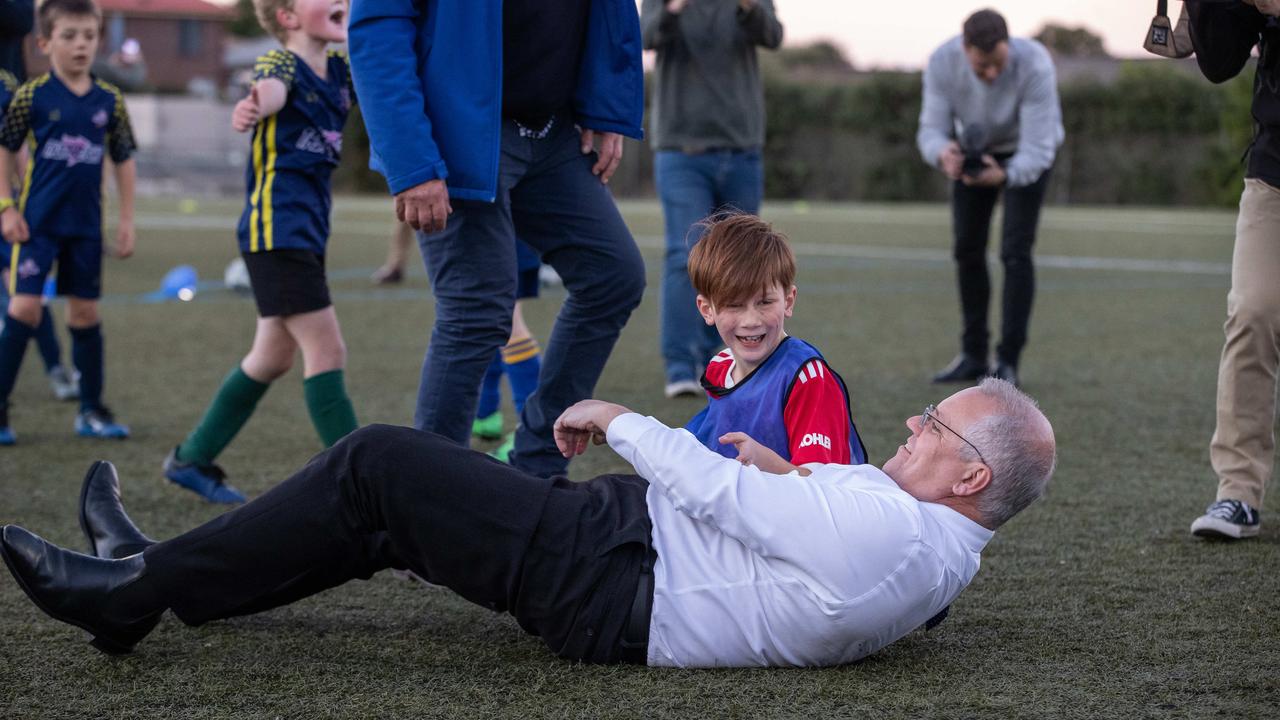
<point>6,433</point>
<point>207,481</point>
<point>100,423</point>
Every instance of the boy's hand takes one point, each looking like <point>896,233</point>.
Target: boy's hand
<point>610,152</point>
<point>247,112</point>
<point>13,226</point>
<point>125,237</point>
<point>751,452</point>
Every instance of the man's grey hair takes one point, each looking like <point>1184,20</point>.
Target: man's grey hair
<point>1018,445</point>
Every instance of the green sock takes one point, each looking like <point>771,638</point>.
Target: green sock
<point>330,408</point>
<point>230,410</point>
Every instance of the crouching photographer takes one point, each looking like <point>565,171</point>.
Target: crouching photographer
<point>991,122</point>
<point>1223,35</point>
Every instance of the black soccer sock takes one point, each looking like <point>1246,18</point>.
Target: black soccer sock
<point>86,353</point>
<point>47,341</point>
<point>13,345</point>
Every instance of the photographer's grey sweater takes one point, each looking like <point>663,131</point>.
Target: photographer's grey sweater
<point>1019,111</point>
<point>707,92</point>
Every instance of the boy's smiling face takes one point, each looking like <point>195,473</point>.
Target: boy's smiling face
<point>751,327</point>
<point>319,19</point>
<point>72,45</point>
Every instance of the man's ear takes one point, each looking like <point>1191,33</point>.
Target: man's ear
<point>42,43</point>
<point>975,479</point>
<point>789,301</point>
<point>707,310</point>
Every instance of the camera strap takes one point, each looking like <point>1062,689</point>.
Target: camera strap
<point>1165,38</point>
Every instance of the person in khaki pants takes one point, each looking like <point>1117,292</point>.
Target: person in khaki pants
<point>1243,445</point>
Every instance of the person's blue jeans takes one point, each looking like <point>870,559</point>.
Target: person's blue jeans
<point>548,197</point>
<point>693,186</point>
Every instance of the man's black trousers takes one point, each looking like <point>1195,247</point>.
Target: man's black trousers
<point>971,209</point>
<point>564,558</point>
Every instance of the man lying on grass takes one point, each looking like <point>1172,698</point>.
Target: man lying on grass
<point>700,560</point>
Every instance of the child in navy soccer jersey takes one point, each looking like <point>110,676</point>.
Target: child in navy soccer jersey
<point>772,399</point>
<point>65,384</point>
<point>70,121</point>
<point>296,109</point>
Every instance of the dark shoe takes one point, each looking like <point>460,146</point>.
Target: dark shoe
<point>964,368</point>
<point>936,620</point>
<point>1227,520</point>
<point>78,589</point>
<point>207,481</point>
<point>1006,372</point>
<point>107,527</point>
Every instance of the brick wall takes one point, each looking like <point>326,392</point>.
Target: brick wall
<point>169,69</point>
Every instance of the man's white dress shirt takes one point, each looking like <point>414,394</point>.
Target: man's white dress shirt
<point>758,569</point>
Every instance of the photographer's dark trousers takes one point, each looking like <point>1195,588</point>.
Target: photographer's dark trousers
<point>971,209</point>
<point>564,558</point>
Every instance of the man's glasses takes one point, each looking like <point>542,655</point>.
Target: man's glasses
<point>930,414</point>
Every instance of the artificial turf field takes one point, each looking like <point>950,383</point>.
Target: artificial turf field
<point>1094,603</point>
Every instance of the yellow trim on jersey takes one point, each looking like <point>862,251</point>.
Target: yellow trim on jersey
<point>267,230</point>
<point>26,176</point>
<point>13,270</point>
<point>257,188</point>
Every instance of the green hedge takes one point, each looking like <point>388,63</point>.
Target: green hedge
<point>1156,135</point>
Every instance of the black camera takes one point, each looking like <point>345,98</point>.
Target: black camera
<point>973,143</point>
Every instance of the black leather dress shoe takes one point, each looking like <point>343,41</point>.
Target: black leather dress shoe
<point>964,368</point>
<point>111,534</point>
<point>1005,371</point>
<point>97,595</point>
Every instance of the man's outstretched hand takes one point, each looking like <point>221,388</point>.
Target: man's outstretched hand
<point>587,420</point>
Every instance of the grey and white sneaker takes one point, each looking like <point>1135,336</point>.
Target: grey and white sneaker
<point>65,385</point>
<point>682,388</point>
<point>1228,520</point>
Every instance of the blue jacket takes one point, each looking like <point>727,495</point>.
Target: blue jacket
<point>429,77</point>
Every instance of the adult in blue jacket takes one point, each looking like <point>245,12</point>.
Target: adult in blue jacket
<point>483,116</point>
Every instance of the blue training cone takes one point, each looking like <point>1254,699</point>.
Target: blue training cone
<point>177,284</point>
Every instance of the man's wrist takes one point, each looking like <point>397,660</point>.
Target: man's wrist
<point>7,203</point>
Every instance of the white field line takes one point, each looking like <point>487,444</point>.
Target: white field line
<point>1065,262</point>
<point>865,252</point>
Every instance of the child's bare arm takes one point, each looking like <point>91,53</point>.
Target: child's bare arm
<point>12,225</point>
<point>265,99</point>
<point>126,175</point>
<point>8,169</point>
<point>751,452</point>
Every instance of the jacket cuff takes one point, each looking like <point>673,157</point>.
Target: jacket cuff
<point>400,183</point>
<point>631,131</point>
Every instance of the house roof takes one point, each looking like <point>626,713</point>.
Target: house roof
<point>168,8</point>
